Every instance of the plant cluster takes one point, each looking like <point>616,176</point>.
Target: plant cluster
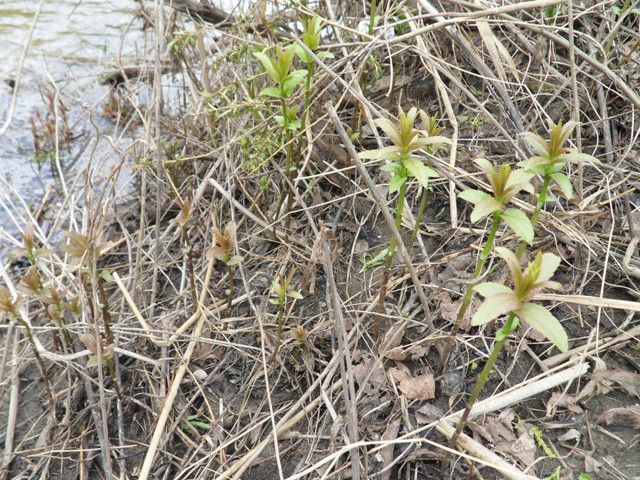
<point>517,303</point>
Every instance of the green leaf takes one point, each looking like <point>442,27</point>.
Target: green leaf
<point>235,260</point>
<point>489,289</point>
<point>485,207</point>
<point>494,307</point>
<point>325,55</point>
<point>390,129</point>
<point>271,92</point>
<point>538,143</point>
<point>474,196</point>
<point>544,322</point>
<point>519,223</point>
<point>420,171</point>
<point>369,154</point>
<point>486,166</point>
<point>294,294</point>
<point>275,301</point>
<point>268,66</point>
<point>396,182</point>
<point>394,168</point>
<point>564,183</point>
<point>549,265</point>
<point>575,156</point>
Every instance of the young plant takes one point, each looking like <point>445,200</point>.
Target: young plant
<point>10,307</point>
<point>86,251</point>
<point>279,69</point>
<point>429,130</point>
<point>311,39</point>
<point>551,158</point>
<point>402,165</point>
<point>224,250</point>
<point>281,292</point>
<point>517,302</point>
<point>505,184</point>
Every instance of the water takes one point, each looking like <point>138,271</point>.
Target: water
<point>74,41</point>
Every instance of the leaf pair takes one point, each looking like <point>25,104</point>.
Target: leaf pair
<point>406,140</point>
<point>552,155</point>
<point>501,300</point>
<point>281,289</point>
<point>278,69</point>
<point>505,184</point>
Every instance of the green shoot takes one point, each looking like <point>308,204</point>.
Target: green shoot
<point>403,165</point>
<point>279,69</point>
<point>505,184</point>
<point>517,302</point>
<point>430,130</point>
<point>369,262</point>
<point>281,292</point>
<point>551,158</point>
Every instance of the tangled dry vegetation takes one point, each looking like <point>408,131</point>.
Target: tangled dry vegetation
<point>226,323</point>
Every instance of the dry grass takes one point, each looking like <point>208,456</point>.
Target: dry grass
<point>328,406</point>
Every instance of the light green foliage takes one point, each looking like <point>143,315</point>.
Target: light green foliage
<point>406,140</point>
<point>501,300</point>
<point>552,155</point>
<point>368,262</point>
<point>280,287</point>
<point>278,69</point>
<point>505,184</point>
<point>281,292</point>
<point>192,421</point>
<point>311,38</point>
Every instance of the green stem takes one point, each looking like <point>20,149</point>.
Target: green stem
<point>280,328</point>
<point>289,163</point>
<point>372,16</point>
<point>542,199</point>
<point>387,264</point>
<point>468,294</point>
<point>484,375</point>
<point>230,297</point>
<point>414,234</point>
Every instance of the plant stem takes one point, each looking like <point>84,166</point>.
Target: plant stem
<point>289,164</point>
<point>230,297</point>
<point>414,234</point>
<point>542,198</point>
<point>482,379</point>
<point>387,264</point>
<point>280,328</point>
<point>36,354</point>
<point>468,294</point>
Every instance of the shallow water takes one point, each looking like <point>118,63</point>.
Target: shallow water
<point>73,42</point>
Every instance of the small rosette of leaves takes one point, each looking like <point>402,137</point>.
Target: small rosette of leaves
<point>505,184</point>
<point>406,140</point>
<point>501,300</point>
<point>278,69</point>
<point>225,245</point>
<point>552,155</point>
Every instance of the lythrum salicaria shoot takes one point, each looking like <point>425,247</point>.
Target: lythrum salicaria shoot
<point>403,164</point>
<point>517,303</point>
